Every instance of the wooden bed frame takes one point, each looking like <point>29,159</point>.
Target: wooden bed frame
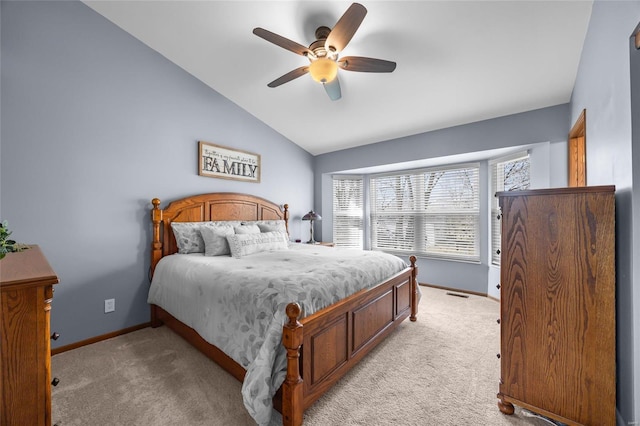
<point>322,347</point>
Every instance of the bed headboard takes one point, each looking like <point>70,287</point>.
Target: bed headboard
<point>207,207</point>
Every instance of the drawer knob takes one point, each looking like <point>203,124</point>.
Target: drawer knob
<point>55,381</point>
<point>498,251</point>
<point>55,336</point>
<point>498,320</point>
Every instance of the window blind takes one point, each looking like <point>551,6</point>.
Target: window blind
<point>510,173</point>
<point>348,203</point>
<point>431,212</point>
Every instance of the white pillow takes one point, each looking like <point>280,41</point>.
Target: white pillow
<point>247,229</point>
<point>272,226</point>
<point>215,240</point>
<point>268,228</point>
<point>246,244</point>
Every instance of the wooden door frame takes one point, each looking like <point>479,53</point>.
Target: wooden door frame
<point>577,152</point>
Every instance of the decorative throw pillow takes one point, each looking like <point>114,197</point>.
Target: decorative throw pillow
<point>188,237</point>
<point>247,229</point>
<point>215,240</point>
<point>246,244</point>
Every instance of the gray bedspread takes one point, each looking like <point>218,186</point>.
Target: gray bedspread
<point>239,305</point>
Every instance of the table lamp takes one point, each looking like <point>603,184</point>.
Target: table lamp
<point>311,216</point>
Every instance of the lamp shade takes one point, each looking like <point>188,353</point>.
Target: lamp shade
<point>311,216</point>
<point>323,70</point>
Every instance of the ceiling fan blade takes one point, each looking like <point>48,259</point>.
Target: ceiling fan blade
<point>333,89</point>
<point>283,42</point>
<point>362,64</point>
<point>291,75</point>
<point>345,28</point>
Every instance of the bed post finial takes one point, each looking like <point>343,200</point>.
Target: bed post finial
<point>156,245</point>
<point>414,289</point>
<point>286,218</point>
<point>292,396</point>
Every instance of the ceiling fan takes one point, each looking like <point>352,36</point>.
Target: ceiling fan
<point>323,53</point>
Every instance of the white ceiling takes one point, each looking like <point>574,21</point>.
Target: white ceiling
<point>458,61</point>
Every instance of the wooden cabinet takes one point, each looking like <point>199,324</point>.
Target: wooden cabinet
<point>26,284</point>
<point>557,304</point>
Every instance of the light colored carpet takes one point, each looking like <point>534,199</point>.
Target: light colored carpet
<point>440,370</point>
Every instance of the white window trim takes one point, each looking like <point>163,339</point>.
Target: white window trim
<point>494,208</point>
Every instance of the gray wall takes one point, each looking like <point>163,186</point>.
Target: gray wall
<point>603,87</point>
<point>544,131</point>
<point>94,125</point>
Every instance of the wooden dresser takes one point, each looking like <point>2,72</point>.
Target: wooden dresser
<point>557,304</point>
<point>26,284</point>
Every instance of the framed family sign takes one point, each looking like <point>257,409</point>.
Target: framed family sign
<point>227,163</point>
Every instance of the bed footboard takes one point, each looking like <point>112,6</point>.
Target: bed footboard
<point>323,347</point>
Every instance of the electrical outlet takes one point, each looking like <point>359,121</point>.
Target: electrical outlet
<point>109,305</point>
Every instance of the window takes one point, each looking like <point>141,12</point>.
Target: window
<point>431,212</point>
<point>507,174</point>
<point>348,226</point>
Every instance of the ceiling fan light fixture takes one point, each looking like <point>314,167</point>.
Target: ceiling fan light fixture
<point>324,51</point>
<point>323,70</point>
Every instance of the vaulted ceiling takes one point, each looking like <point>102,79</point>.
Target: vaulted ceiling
<point>457,61</point>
